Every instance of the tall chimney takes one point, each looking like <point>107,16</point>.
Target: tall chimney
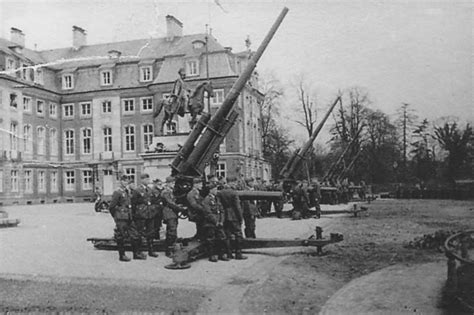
<point>79,37</point>
<point>17,36</point>
<point>174,27</point>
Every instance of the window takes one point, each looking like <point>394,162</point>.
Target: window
<point>197,44</point>
<point>221,169</point>
<point>106,77</point>
<point>218,97</point>
<point>146,73</point>
<point>13,136</point>
<point>39,76</point>
<point>25,72</point>
<point>147,104</point>
<point>28,181</point>
<point>170,128</point>
<point>107,139</point>
<point>13,102</point>
<point>68,110</point>
<point>53,141</point>
<point>27,140</point>
<point>106,106</point>
<point>41,140</point>
<point>27,104</point>
<point>86,110</point>
<point>192,68</point>
<point>67,81</point>
<point>129,138</point>
<point>130,173</point>
<point>14,180</point>
<point>69,142</point>
<point>1,180</point>
<point>87,180</point>
<point>147,136</point>
<point>86,140</point>
<point>10,64</point>
<point>41,181</point>
<point>53,178</point>
<point>53,110</point>
<point>40,108</point>
<point>128,105</point>
<point>69,180</point>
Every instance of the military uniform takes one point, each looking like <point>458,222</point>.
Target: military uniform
<point>157,204</point>
<point>232,219</point>
<point>170,218</point>
<point>144,213</point>
<point>213,225</point>
<point>277,203</point>
<point>249,211</point>
<point>300,202</point>
<point>314,193</point>
<point>196,211</point>
<point>121,211</point>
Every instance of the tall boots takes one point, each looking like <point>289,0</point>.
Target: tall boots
<point>151,253</point>
<point>211,249</point>
<point>238,250</point>
<point>137,254</point>
<point>222,250</point>
<point>228,249</point>
<point>121,250</point>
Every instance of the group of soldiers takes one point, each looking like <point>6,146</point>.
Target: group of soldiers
<point>139,211</point>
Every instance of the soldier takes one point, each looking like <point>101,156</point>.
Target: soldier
<point>233,217</point>
<point>121,211</point>
<point>315,196</point>
<point>157,203</point>
<point>144,212</point>
<point>300,200</point>
<point>277,203</point>
<point>170,215</point>
<point>195,208</point>
<point>213,224</point>
<point>249,210</point>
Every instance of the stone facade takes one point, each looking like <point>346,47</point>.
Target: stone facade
<point>72,119</point>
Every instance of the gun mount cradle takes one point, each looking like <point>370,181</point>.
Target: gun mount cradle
<point>188,250</point>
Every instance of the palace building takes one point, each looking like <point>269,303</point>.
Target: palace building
<point>73,119</point>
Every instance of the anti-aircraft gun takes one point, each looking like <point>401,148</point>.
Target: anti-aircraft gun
<point>198,150</point>
<point>296,160</point>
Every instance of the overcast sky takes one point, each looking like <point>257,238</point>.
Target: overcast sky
<point>418,52</point>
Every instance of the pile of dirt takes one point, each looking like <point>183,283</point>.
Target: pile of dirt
<point>434,240</point>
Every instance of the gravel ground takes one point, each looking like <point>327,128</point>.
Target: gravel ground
<point>47,265</point>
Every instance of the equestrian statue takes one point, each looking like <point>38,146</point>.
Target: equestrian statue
<point>182,101</point>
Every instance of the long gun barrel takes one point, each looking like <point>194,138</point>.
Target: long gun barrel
<point>218,126</point>
<point>349,167</point>
<point>333,167</point>
<point>295,161</point>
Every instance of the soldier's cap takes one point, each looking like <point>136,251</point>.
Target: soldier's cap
<point>144,175</point>
<point>231,179</point>
<point>249,180</point>
<point>197,180</point>
<point>213,179</point>
<point>170,179</point>
<point>124,178</point>
<point>157,181</point>
<point>181,70</point>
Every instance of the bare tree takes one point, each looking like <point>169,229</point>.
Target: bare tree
<point>269,109</point>
<point>307,106</point>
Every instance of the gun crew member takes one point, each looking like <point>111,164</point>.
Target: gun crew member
<point>233,217</point>
<point>121,210</point>
<point>170,215</point>
<point>195,208</point>
<point>144,213</point>
<point>213,224</point>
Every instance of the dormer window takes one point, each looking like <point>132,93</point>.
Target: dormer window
<point>198,44</point>
<point>114,54</point>
<point>192,68</point>
<point>146,73</point>
<point>67,81</point>
<point>10,64</point>
<point>39,76</point>
<point>106,77</point>
<point>25,72</point>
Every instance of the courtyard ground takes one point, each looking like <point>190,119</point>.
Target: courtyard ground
<point>47,265</point>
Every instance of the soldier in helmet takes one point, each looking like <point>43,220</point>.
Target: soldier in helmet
<point>170,214</point>
<point>233,216</point>
<point>144,213</point>
<point>121,210</point>
<point>157,203</point>
<point>213,225</point>
<point>249,209</point>
<point>195,208</point>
